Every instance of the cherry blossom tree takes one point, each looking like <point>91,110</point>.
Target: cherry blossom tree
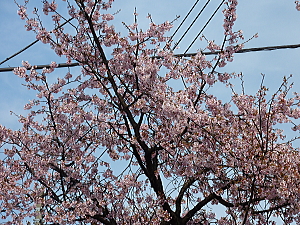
<point>118,144</point>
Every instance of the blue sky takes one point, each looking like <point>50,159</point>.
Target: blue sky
<point>276,21</point>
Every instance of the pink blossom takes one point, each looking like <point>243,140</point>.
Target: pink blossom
<point>31,24</point>
<point>43,36</point>
<point>26,64</point>
<point>212,46</point>
<point>22,12</point>
<point>297,5</point>
<point>20,71</point>
<point>107,17</point>
<point>49,7</point>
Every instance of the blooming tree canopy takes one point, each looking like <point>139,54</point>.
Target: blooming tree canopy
<point>118,144</point>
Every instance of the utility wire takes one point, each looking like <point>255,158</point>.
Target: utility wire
<point>38,67</point>
<point>17,53</point>
<point>177,43</point>
<point>184,20</point>
<point>31,44</point>
<point>212,16</point>
<point>259,49</point>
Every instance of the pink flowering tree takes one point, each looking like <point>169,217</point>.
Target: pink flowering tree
<point>118,144</point>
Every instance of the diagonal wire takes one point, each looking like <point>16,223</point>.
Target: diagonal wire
<point>175,32</point>
<point>200,32</point>
<point>17,53</point>
<point>177,43</point>
<point>32,43</point>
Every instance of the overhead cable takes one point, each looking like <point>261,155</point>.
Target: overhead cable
<point>177,43</point>
<point>39,67</point>
<point>259,49</point>
<point>32,43</point>
<point>17,53</point>
<point>183,20</point>
<point>200,32</point>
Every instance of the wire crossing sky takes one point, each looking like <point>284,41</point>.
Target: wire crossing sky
<point>269,48</point>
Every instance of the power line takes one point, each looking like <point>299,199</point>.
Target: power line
<point>17,53</point>
<point>184,19</point>
<point>38,67</point>
<point>32,43</point>
<point>212,16</point>
<point>177,43</point>
<point>259,49</point>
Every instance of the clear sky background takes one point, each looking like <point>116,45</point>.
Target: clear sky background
<point>277,22</point>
